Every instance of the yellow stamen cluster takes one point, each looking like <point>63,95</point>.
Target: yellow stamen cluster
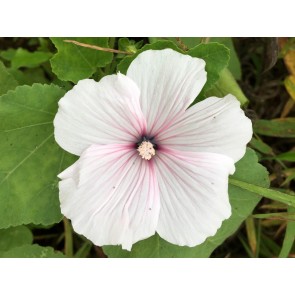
<point>146,150</point>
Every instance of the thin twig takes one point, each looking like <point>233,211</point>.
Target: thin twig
<point>181,44</point>
<point>97,47</point>
<point>205,40</point>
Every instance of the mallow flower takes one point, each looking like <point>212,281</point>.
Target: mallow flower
<point>148,162</point>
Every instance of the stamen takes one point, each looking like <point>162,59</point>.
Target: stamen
<point>146,150</point>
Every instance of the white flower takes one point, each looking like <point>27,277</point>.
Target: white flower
<point>147,163</point>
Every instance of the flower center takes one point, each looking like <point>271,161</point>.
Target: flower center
<point>146,150</point>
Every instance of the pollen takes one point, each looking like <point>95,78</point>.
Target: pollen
<point>146,150</point>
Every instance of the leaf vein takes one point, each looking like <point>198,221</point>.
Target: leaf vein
<point>27,126</point>
<point>26,158</point>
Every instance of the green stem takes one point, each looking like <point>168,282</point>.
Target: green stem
<point>68,238</point>
<point>265,192</point>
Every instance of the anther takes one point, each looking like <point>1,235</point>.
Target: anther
<point>146,150</point>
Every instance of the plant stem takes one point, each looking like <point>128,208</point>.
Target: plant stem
<point>97,47</point>
<point>68,238</point>
<point>265,192</point>
<point>205,40</point>
<point>181,44</point>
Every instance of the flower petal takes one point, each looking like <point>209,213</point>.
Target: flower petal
<point>216,125</point>
<point>101,112</point>
<point>194,195</point>
<point>168,82</point>
<point>111,195</point>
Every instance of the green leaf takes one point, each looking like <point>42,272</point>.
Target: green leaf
<point>242,202</point>
<point>290,86</point>
<point>29,76</point>
<point>7,82</point>
<point>268,193</point>
<point>30,158</point>
<point>277,215</point>
<point>32,251</point>
<point>288,156</point>
<point>216,57</point>
<point>289,236</point>
<point>14,237</point>
<point>268,247</point>
<point>234,63</point>
<point>23,58</point>
<point>261,146</point>
<point>278,127</point>
<point>84,250</point>
<point>227,84</point>
<point>125,44</point>
<point>159,45</point>
<point>73,62</point>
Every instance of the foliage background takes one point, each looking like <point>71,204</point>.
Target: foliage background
<point>36,72</point>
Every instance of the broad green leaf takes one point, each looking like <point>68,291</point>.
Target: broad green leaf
<point>8,54</point>
<point>29,76</point>
<point>30,158</point>
<point>7,82</point>
<point>225,81</point>
<point>227,84</point>
<point>14,237</point>
<point>73,62</point>
<point>124,64</point>
<point>23,58</point>
<point>216,57</point>
<point>32,251</point>
<point>234,63</point>
<point>242,202</point>
<point>278,127</point>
